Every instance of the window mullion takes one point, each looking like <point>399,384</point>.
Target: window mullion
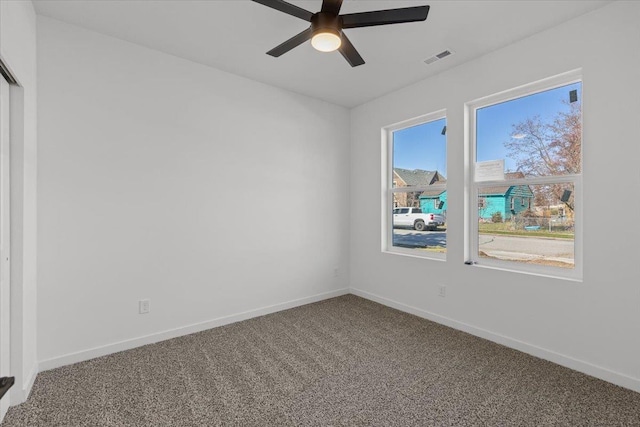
<point>554,179</point>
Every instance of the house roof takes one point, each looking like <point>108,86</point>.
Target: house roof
<point>418,177</point>
<point>500,189</point>
<point>432,193</point>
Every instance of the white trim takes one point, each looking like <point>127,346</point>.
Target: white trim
<point>20,395</point>
<point>425,118</point>
<point>416,253</point>
<point>418,189</point>
<point>571,274</point>
<point>549,272</point>
<point>560,359</point>
<point>5,238</point>
<point>550,83</point>
<point>534,180</point>
<point>471,240</point>
<point>563,360</point>
<point>92,353</point>
<point>386,216</point>
<point>388,190</point>
<point>17,152</point>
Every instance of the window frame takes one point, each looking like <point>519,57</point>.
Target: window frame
<point>472,187</point>
<point>388,190</point>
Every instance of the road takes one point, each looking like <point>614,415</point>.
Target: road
<point>419,239</point>
<point>527,247</point>
<point>499,246</point>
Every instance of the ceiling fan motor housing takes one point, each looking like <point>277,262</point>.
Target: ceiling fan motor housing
<point>326,23</point>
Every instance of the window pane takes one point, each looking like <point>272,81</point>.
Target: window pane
<point>420,155</point>
<point>419,160</point>
<point>536,135</point>
<point>539,232</point>
<point>425,231</point>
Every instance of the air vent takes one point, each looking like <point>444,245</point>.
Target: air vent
<point>438,57</point>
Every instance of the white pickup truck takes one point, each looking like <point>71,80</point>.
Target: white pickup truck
<point>414,218</point>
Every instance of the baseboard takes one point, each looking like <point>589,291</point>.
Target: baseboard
<point>28,384</point>
<point>21,394</point>
<point>569,362</point>
<point>92,353</point>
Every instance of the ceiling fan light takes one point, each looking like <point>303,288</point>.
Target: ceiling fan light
<point>326,41</point>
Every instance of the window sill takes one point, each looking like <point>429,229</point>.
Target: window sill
<point>542,272</point>
<point>416,253</point>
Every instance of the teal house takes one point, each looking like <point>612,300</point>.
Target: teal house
<point>412,178</point>
<point>434,201</point>
<point>507,200</point>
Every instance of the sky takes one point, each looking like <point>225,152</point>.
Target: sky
<point>423,146</point>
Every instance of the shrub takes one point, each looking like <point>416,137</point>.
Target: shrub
<point>496,217</point>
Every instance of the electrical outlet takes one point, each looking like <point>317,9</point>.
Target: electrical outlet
<point>442,291</point>
<point>144,306</point>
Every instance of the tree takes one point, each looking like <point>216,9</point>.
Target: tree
<point>549,149</point>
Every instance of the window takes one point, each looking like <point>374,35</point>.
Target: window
<point>526,178</point>
<point>414,205</point>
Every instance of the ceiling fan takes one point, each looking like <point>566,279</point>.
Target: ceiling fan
<point>326,27</point>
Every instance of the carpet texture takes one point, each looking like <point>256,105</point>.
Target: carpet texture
<point>341,362</point>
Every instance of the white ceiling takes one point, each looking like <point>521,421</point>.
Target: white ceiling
<point>233,35</point>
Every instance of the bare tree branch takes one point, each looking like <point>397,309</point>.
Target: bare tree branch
<point>548,148</point>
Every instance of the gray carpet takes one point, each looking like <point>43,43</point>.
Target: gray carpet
<point>345,361</point>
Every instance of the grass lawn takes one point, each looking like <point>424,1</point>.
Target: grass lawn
<point>438,249</point>
<point>506,228</point>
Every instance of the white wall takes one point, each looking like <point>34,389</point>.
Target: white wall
<point>18,52</point>
<point>592,326</point>
<point>210,194</point>
<point>144,157</point>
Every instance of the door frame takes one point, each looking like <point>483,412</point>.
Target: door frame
<point>17,169</point>
<point>5,240</point>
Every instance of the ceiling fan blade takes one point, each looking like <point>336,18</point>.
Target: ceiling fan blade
<point>385,17</point>
<point>287,8</point>
<point>331,6</point>
<point>349,52</point>
<point>291,43</point>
